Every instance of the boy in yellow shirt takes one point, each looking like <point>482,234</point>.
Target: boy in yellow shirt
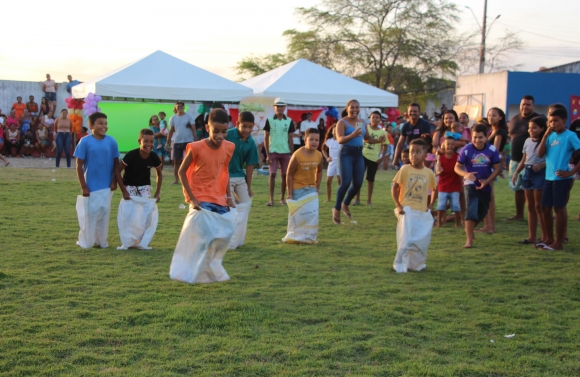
<point>305,167</point>
<point>410,191</point>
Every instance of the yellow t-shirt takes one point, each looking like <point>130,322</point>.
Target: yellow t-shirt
<point>415,185</point>
<point>305,173</point>
<point>372,151</point>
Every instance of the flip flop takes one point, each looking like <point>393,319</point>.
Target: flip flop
<point>270,204</point>
<point>540,245</point>
<point>356,204</point>
<point>526,242</point>
<point>282,202</point>
<point>548,248</point>
<point>347,213</point>
<point>336,219</point>
<point>565,240</point>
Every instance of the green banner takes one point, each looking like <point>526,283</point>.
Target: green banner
<point>127,119</point>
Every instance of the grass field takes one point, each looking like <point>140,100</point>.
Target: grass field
<point>334,309</point>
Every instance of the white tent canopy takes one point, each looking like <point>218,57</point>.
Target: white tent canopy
<point>160,76</point>
<point>305,83</point>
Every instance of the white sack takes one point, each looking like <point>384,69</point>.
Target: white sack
<point>241,224</point>
<point>93,214</point>
<point>137,220</point>
<point>413,239</point>
<point>302,220</point>
<point>203,242</point>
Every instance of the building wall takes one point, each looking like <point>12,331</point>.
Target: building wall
<point>565,68</point>
<point>489,90</point>
<point>9,90</point>
<point>435,100</point>
<point>547,88</point>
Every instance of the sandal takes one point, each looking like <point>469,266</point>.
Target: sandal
<point>356,203</point>
<point>346,211</point>
<point>336,216</point>
<point>526,242</point>
<point>270,204</point>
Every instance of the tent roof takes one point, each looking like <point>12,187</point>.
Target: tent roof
<point>305,83</point>
<point>162,76</point>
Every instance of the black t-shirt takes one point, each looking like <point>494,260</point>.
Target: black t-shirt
<point>412,132</point>
<point>519,125</point>
<point>504,135</point>
<point>138,170</point>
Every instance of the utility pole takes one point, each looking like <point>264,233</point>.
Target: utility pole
<point>482,47</point>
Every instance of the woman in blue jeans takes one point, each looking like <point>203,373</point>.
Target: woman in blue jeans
<point>351,131</point>
<point>63,132</point>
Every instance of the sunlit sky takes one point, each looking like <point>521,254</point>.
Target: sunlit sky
<point>70,37</point>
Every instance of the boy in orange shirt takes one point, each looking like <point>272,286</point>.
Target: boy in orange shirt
<point>204,171</point>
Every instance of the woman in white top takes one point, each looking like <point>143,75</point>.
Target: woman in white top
<point>49,87</point>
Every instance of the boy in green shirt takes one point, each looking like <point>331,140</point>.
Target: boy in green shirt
<point>245,156</point>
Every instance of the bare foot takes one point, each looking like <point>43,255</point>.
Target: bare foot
<point>484,230</point>
<point>6,163</point>
<point>468,245</point>
<point>175,183</point>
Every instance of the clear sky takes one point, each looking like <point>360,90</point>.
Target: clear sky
<point>72,37</point>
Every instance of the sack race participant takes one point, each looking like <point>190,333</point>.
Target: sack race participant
<point>410,190</point>
<point>303,180</point>
<point>241,169</point>
<point>138,215</point>
<point>209,226</point>
<point>97,158</point>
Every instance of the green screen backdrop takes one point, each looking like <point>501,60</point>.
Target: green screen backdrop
<point>126,119</point>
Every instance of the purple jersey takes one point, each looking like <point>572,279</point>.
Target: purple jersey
<point>478,161</point>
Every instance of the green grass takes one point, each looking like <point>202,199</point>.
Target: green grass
<point>334,309</point>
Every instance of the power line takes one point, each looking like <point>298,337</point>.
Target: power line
<point>539,35</point>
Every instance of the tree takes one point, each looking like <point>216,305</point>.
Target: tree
<point>496,54</point>
<point>310,45</point>
<point>380,36</point>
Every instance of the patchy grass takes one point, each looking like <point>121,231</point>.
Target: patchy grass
<point>334,309</point>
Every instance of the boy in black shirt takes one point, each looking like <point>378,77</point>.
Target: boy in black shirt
<point>137,165</point>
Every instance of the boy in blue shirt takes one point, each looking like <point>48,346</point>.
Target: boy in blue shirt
<point>97,158</point>
<point>557,145</point>
<point>478,163</point>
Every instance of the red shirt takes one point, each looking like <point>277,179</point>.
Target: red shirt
<point>449,180</point>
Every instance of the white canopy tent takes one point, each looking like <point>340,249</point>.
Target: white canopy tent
<point>305,83</point>
<point>160,76</point>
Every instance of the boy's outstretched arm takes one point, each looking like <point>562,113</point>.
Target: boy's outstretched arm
<point>114,180</point>
<point>158,181</point>
<point>81,177</point>
<point>318,176</point>
<point>395,195</point>
<point>292,165</point>
<point>118,170</point>
<point>249,174</point>
<point>189,197</point>
<point>230,197</point>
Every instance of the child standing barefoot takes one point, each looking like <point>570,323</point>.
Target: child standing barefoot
<point>332,158</point>
<point>475,164</point>
<point>410,193</point>
<point>534,178</point>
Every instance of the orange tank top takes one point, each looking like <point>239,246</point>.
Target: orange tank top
<point>208,174</point>
<point>305,174</point>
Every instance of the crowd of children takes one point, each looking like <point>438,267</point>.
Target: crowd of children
<point>457,174</point>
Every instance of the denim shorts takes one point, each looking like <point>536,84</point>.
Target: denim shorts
<point>477,203</point>
<point>452,197</point>
<point>556,193</point>
<point>302,192</point>
<point>533,180</point>
<point>50,96</point>
<point>220,210</point>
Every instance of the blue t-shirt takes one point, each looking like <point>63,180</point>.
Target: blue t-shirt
<point>478,161</point>
<point>71,84</point>
<point>99,159</point>
<point>559,149</point>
